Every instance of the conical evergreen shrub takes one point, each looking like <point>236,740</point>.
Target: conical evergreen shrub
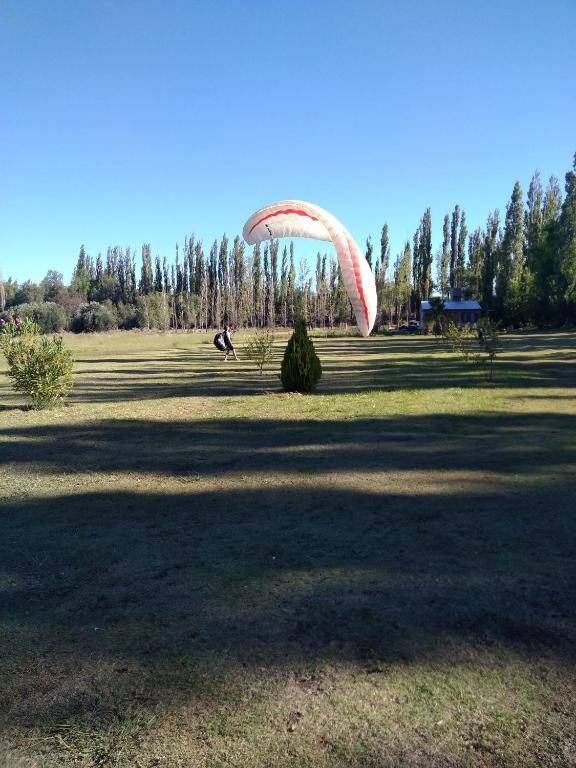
<point>301,369</point>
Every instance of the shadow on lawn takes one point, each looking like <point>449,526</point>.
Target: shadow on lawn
<point>495,442</point>
<point>289,575</point>
<point>280,578</point>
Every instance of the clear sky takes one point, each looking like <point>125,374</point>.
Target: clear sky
<point>130,121</point>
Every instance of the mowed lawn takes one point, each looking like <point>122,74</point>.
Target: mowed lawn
<point>197,570</point>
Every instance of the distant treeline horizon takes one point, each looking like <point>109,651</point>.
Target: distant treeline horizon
<point>521,267</point>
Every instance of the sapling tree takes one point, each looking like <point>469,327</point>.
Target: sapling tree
<point>259,348</point>
<point>462,342</point>
<point>478,348</point>
<point>489,340</point>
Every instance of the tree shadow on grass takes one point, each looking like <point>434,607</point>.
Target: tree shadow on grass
<point>263,561</point>
<point>118,599</point>
<point>277,577</point>
<point>499,443</point>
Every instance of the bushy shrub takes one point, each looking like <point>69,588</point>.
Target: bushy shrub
<point>259,348</point>
<point>94,317</point>
<point>127,315</point>
<point>48,316</point>
<point>301,369</point>
<point>39,366</point>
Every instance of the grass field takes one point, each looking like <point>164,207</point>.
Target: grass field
<point>197,570</point>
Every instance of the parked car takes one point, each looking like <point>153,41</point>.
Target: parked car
<point>413,326</point>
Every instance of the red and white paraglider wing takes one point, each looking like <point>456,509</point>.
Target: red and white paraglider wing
<point>294,218</point>
<point>289,218</point>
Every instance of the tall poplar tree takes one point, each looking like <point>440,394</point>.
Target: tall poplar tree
<point>546,263</point>
<point>369,251</point>
<point>223,280</point>
<point>443,276</point>
<point>268,315</point>
<point>165,276</point>
<point>425,254</point>
<point>382,287</point>
<point>461,257</point>
<point>490,259</point>
<point>384,251</point>
<point>473,275</point>
<point>416,266</point>
<point>403,284</point>
<point>274,282</point>
<point>454,246</point>
<point>284,287</point>
<point>291,288</point>
<point>81,277</point>
<point>257,288</point>
<point>146,276</point>
<point>342,307</point>
<point>533,232</point>
<point>237,283</point>
<point>567,245</point>
<point>511,264</point>
<point>158,279</point>
<point>534,216</point>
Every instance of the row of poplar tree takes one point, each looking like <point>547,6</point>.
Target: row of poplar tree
<point>521,267</point>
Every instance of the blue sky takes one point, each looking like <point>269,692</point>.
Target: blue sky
<point>124,122</point>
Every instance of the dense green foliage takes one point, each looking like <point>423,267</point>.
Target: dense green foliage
<point>93,317</point>
<point>40,367</point>
<point>521,266</point>
<point>48,316</point>
<point>301,369</point>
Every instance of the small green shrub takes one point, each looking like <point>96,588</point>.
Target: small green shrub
<point>40,366</point>
<point>301,369</point>
<point>94,317</point>
<point>259,348</point>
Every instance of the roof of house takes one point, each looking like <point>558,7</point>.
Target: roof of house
<point>454,305</point>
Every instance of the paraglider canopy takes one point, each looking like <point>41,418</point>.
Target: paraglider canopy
<point>294,218</point>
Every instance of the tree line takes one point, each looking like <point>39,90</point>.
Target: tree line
<point>520,266</point>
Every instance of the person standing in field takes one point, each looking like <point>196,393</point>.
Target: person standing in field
<point>227,336</point>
